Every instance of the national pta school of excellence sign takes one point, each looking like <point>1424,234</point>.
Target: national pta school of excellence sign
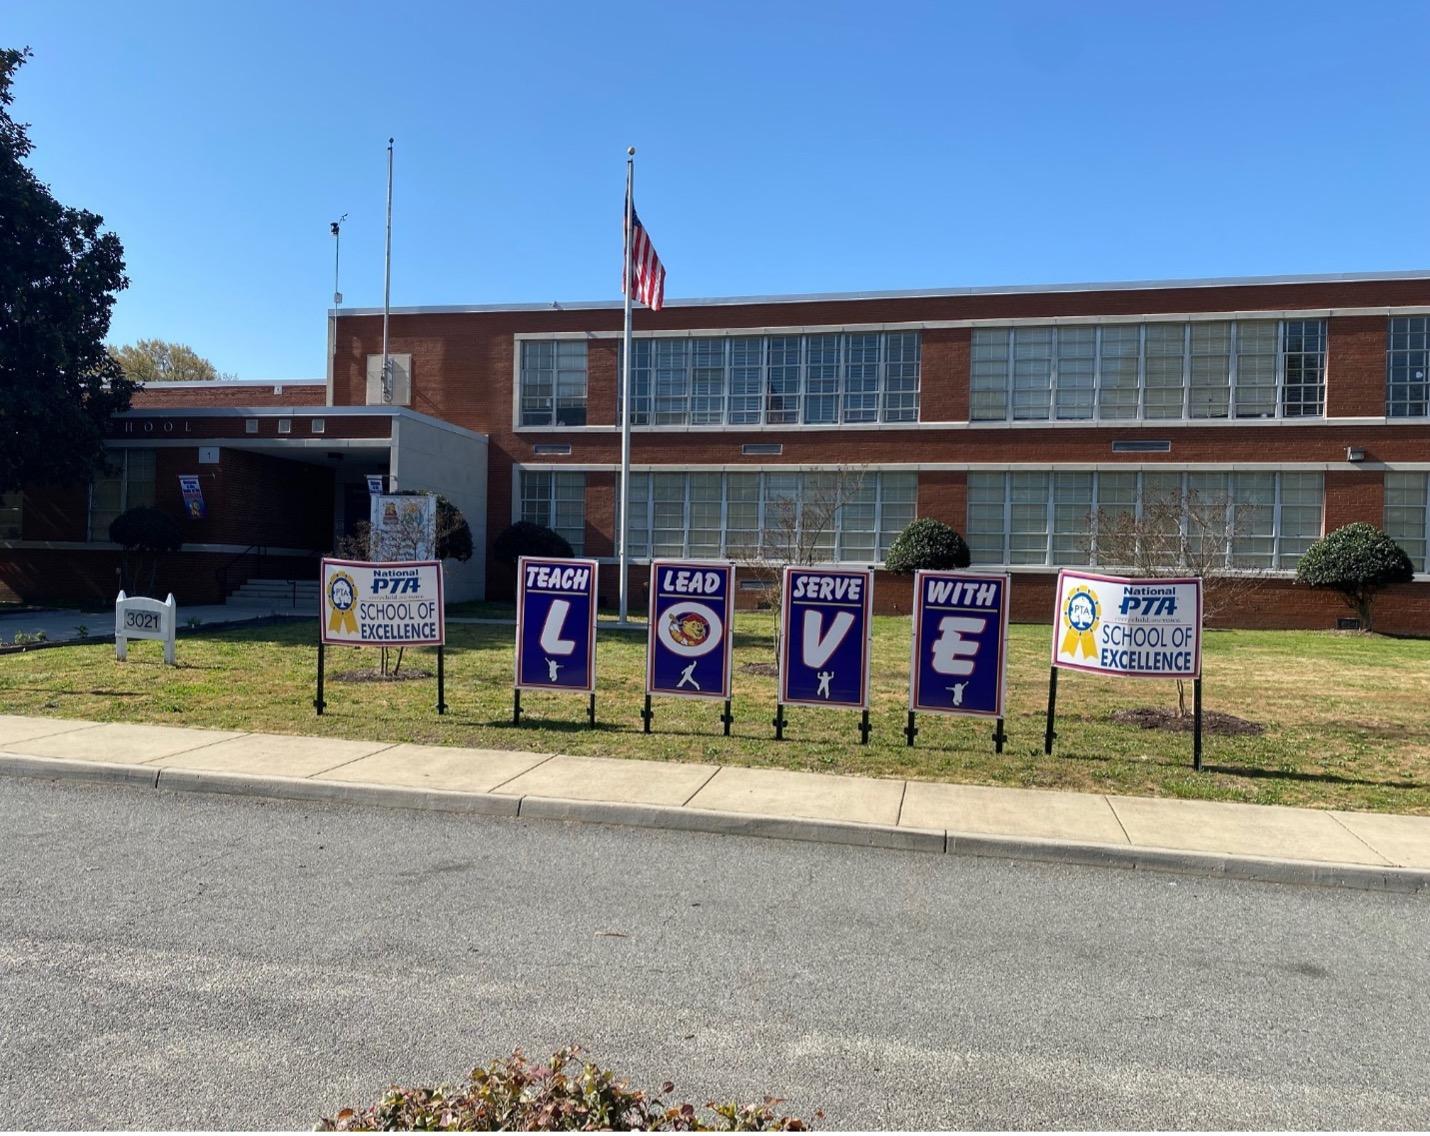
<point>391,604</point>
<point>1146,628</point>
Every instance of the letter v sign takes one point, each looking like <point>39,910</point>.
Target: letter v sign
<point>551,641</point>
<point>817,648</point>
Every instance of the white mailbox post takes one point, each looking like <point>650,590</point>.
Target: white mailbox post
<point>143,618</point>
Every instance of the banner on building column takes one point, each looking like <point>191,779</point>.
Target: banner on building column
<point>556,624</point>
<point>689,648</point>
<point>396,604</point>
<point>824,637</point>
<point>193,494</point>
<point>403,526</point>
<point>960,643</point>
<point>1146,628</point>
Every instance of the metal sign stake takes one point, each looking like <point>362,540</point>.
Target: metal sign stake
<point>999,737</point>
<point>516,707</point>
<point>646,715</point>
<point>1197,725</point>
<point>318,702</point>
<point>911,730</point>
<point>864,728</point>
<point>441,683</point>
<point>779,721</point>
<point>727,718</point>
<point>591,711</point>
<point>1052,709</point>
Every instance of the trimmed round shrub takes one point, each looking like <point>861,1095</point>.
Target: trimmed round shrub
<point>927,543</point>
<point>454,535</point>
<point>527,539</point>
<point>147,530</point>
<point>1356,560</point>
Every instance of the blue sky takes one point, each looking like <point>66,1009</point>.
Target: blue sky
<point>782,148</point>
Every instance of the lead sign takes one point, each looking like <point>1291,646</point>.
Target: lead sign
<point>691,612</point>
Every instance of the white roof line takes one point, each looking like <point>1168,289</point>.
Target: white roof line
<point>912,293</point>
<point>229,384</point>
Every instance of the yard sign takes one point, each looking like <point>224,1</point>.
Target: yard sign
<point>1143,628</point>
<point>824,640</point>
<point>365,603</point>
<point>960,630</point>
<point>689,642</point>
<point>556,625</point>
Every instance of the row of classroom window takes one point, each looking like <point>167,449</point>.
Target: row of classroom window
<point>1117,371</point>
<point>1020,519</point>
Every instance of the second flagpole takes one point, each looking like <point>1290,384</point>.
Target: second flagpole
<point>622,524</point>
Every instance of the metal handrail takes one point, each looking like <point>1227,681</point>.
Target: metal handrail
<point>221,572</point>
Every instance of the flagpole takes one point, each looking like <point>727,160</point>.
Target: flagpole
<point>625,400</point>
<point>387,285</point>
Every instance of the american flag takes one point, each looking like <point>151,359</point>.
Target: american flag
<point>647,273</point>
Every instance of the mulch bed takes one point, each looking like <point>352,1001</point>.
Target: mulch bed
<point>372,674</point>
<point>1213,722</point>
<point>759,669</point>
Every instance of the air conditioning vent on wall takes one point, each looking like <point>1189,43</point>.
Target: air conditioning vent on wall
<point>1140,446</point>
<point>755,449</point>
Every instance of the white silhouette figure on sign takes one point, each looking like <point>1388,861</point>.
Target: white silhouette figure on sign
<point>688,675</point>
<point>822,691</point>
<point>553,666</point>
<point>957,691</point>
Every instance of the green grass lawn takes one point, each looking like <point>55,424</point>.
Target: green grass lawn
<point>1347,716</point>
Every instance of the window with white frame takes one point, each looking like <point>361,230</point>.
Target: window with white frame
<point>1408,367</point>
<point>553,382</point>
<point>1407,514</point>
<point>556,500</point>
<point>1050,517</point>
<point>12,513</point>
<point>1197,369</point>
<point>127,484</point>
<point>775,380</point>
<point>738,515</point>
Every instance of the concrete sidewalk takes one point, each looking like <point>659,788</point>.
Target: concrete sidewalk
<point>1368,850</point>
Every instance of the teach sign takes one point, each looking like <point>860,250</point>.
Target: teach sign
<point>824,638</point>
<point>960,630</point>
<point>1147,628</point>
<point>395,604</point>
<point>691,615</point>
<point>556,624</point>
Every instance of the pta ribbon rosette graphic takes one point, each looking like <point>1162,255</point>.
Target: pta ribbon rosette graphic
<point>1081,613</point>
<point>342,595</point>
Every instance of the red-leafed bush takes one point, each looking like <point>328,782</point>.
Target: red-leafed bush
<point>567,1094</point>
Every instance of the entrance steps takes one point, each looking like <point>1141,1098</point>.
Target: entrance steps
<point>277,595</point>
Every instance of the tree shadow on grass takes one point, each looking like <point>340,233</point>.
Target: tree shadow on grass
<point>1257,773</point>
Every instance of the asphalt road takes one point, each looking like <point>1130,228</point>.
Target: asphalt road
<point>180,961</point>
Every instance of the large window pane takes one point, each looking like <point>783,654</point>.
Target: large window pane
<point>1120,350</point>
<point>1164,370</point>
<point>1032,371</point>
<point>553,382</point>
<point>1256,368</point>
<point>1077,354</point>
<point>989,393</point>
<point>1210,370</point>
<point>1408,365</point>
<point>1407,511</point>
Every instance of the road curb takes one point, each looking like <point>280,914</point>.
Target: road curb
<point>65,769</point>
<point>339,792</point>
<point>736,824</point>
<point>1201,864</point>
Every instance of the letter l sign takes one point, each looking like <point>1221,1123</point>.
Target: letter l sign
<point>551,641</point>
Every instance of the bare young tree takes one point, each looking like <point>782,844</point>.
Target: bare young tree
<point>800,527</point>
<point>1181,534</point>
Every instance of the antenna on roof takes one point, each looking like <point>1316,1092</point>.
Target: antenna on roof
<point>336,227</point>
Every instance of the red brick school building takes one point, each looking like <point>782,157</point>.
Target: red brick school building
<point>1014,414</point>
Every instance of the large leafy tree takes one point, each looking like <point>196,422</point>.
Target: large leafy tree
<point>158,361</point>
<point>58,278</point>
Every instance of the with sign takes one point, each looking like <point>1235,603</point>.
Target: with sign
<point>1147,628</point>
<point>688,652</point>
<point>556,624</point>
<point>960,635</point>
<point>824,637</point>
<point>373,604</point>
